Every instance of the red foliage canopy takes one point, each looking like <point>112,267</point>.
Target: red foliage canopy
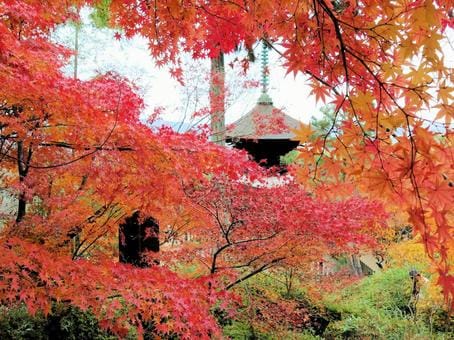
<point>77,160</point>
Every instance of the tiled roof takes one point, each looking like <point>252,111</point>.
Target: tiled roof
<point>264,121</point>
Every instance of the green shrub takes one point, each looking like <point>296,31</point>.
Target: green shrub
<point>377,307</point>
<point>70,323</point>
<point>65,322</point>
<point>18,324</point>
<point>239,330</point>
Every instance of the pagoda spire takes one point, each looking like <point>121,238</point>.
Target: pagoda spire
<point>264,98</point>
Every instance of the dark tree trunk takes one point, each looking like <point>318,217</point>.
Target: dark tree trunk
<point>21,207</point>
<point>22,168</point>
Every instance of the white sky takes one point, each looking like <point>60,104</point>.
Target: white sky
<point>100,52</point>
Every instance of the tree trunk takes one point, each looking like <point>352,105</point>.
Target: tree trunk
<point>22,169</point>
<point>217,99</point>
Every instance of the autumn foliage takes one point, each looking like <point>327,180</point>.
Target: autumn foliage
<point>380,62</point>
<point>77,160</point>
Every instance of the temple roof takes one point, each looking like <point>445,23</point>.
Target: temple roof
<point>264,121</point>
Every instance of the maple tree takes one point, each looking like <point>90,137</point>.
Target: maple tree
<point>71,154</point>
<point>254,226</point>
<point>380,61</point>
<point>78,161</point>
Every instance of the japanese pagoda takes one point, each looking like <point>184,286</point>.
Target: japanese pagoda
<point>265,132</point>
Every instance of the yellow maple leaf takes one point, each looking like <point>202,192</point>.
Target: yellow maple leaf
<point>445,112</point>
<point>445,94</point>
<point>304,133</point>
<point>392,121</point>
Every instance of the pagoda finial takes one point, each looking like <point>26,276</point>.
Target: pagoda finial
<point>265,72</point>
<point>264,97</point>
